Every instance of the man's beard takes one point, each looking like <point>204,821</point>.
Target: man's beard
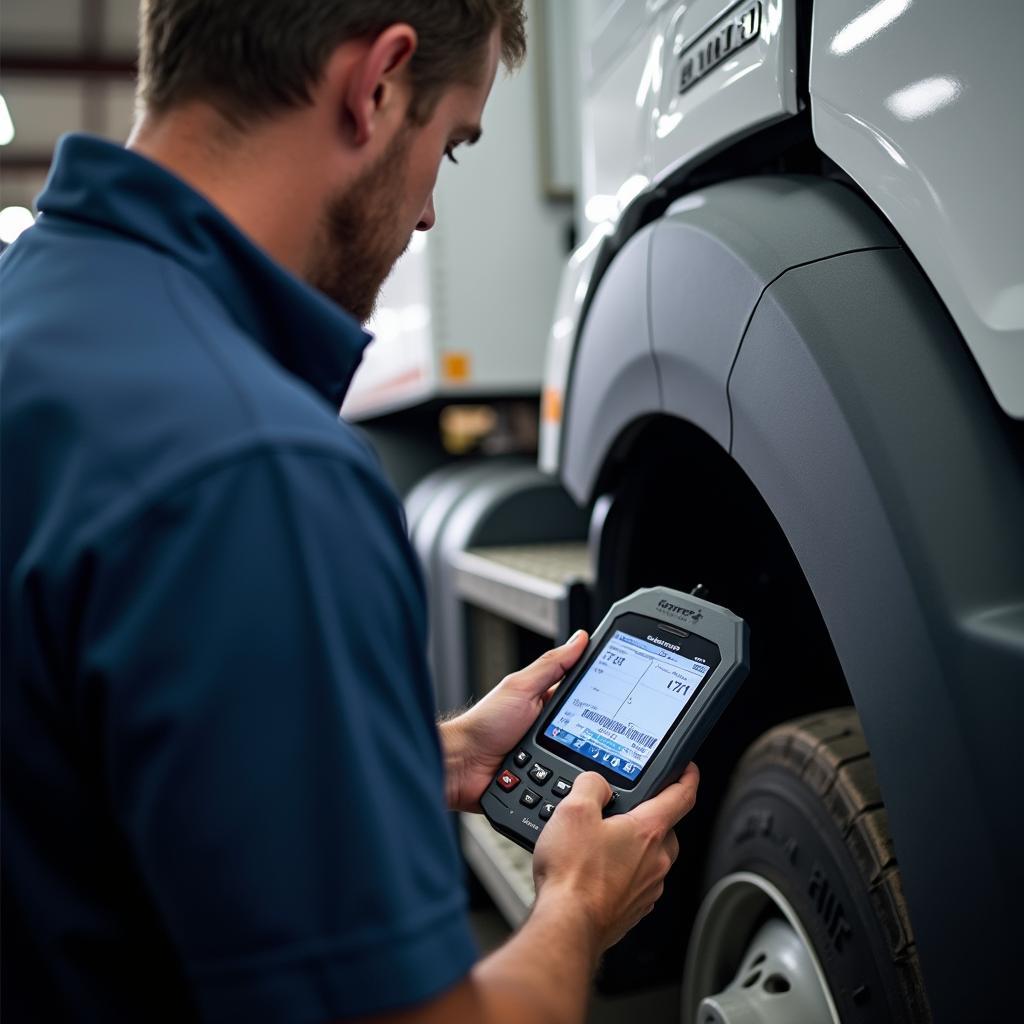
<point>356,246</point>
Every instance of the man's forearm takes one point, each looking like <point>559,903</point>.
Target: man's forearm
<point>518,981</point>
<point>543,972</point>
<point>541,975</point>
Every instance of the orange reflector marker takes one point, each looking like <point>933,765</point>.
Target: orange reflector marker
<point>455,366</point>
<point>552,406</point>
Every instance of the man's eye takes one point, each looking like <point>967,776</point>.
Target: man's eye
<point>449,151</point>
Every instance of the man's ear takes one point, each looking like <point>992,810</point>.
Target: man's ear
<point>373,82</point>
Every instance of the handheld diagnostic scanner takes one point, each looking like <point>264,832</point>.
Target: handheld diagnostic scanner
<point>658,671</point>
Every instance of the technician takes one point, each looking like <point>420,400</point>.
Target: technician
<point>224,796</point>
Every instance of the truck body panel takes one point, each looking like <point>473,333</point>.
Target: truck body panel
<point>920,104</point>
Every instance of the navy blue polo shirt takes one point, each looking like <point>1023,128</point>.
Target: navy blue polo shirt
<point>222,783</point>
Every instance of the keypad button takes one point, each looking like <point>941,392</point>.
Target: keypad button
<point>546,810</point>
<point>540,774</point>
<point>563,787</point>
<point>529,798</point>
<point>521,759</point>
<point>507,780</point>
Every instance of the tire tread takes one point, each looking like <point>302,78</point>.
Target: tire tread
<point>829,752</point>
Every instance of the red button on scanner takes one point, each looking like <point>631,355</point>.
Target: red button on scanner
<point>507,780</point>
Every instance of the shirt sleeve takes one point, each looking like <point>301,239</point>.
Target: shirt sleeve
<point>253,664</point>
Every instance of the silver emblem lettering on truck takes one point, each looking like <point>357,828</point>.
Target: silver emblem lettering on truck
<point>732,32</point>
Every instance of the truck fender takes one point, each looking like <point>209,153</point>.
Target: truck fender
<point>665,323</point>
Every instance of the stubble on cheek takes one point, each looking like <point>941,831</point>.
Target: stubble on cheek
<point>359,240</point>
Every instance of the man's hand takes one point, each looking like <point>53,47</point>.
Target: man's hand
<point>475,742</point>
<point>611,870</point>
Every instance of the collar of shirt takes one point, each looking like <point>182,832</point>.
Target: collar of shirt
<point>106,185</point>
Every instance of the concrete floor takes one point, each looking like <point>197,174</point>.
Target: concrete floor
<point>657,1006</point>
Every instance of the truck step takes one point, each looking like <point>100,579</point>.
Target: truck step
<point>543,587</point>
<point>504,869</point>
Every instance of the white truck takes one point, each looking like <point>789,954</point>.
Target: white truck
<point>786,370</point>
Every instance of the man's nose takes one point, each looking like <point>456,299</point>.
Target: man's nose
<point>427,217</point>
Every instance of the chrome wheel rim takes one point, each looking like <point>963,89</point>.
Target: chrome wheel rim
<point>751,961</point>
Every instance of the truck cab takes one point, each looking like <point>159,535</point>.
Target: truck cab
<point>785,371</point>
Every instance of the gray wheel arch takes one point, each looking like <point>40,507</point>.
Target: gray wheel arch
<point>782,318</point>
<point>664,325</point>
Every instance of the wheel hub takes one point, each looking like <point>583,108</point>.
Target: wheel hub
<point>776,984</point>
<point>750,960</point>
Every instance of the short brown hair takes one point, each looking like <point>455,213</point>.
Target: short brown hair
<point>251,58</point>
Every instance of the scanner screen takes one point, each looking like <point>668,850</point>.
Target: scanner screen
<point>621,708</point>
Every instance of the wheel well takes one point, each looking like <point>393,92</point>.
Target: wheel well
<point>685,515</point>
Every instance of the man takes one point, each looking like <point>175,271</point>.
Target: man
<point>223,788</point>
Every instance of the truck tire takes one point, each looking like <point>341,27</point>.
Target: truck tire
<point>803,919</point>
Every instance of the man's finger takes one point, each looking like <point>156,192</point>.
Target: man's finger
<point>590,787</point>
<point>674,801</point>
<point>549,668</point>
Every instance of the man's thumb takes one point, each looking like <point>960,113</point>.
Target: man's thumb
<point>542,674</point>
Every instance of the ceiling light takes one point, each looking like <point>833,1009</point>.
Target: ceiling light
<point>14,220</point>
